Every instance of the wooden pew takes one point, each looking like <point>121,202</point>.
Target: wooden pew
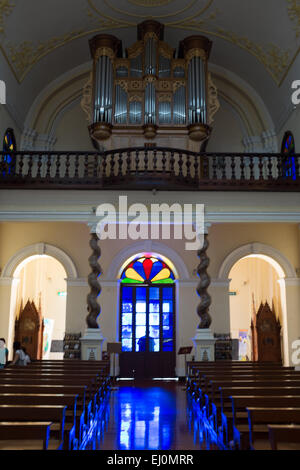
<point>84,406</point>
<point>30,413</point>
<point>225,405</point>
<point>289,434</point>
<point>27,436</point>
<point>259,418</point>
<point>239,415</point>
<point>194,380</point>
<point>49,399</point>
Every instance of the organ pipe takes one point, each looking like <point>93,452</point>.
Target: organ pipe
<point>151,85</point>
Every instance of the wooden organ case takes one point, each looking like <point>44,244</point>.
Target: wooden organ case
<point>29,329</point>
<point>150,89</point>
<point>267,334</point>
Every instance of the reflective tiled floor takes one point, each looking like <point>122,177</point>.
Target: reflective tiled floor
<point>149,416</point>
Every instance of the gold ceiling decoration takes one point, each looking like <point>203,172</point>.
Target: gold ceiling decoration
<point>26,54</point>
<point>294,14</point>
<point>6,7</point>
<point>277,61</point>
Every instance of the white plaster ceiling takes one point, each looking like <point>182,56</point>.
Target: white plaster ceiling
<point>256,39</point>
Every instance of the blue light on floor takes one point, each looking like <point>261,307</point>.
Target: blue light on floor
<point>145,418</point>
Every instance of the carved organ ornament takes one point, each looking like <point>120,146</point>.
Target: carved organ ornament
<point>150,88</point>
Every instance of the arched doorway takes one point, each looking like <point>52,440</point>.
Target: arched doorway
<point>147,318</point>
<point>39,290</point>
<point>255,286</point>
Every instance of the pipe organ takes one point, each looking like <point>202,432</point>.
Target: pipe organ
<point>151,87</point>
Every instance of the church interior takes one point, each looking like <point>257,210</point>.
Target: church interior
<point>150,225</point>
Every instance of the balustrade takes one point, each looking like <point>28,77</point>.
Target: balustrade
<point>149,168</point>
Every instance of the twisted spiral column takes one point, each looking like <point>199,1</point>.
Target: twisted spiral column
<point>203,307</point>
<point>94,308</point>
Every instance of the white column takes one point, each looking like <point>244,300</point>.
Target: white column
<point>291,321</point>
<point>8,297</point>
<point>76,309</point>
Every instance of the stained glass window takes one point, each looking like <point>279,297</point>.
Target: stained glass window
<point>147,322</point>
<point>9,145</point>
<point>288,150</point>
<point>147,270</point>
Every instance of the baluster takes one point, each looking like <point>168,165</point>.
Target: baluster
<point>128,161</point>
<point>214,166</point>
<point>146,160</point>
<point>205,165</point>
<point>112,165</point>
<point>67,173</point>
<point>251,166</point>
<point>21,164</point>
<point>86,165</point>
<point>223,168</point>
<point>76,173</point>
<point>104,165</point>
<point>196,166</point>
<point>164,160</point>
<point>180,163</point>
<point>188,166</point>
<point>39,167</point>
<point>57,173</point>
<point>155,160</point>
<point>270,168</point>
<point>120,161</point>
<point>279,166</point>
<point>260,167</point>
<point>242,165</point>
<point>95,166</point>
<point>233,175</point>
<point>172,163</point>
<point>48,167</point>
<point>30,164</point>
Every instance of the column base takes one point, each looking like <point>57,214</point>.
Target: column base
<point>91,345</point>
<point>204,343</point>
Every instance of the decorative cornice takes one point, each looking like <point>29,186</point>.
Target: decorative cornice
<point>210,217</point>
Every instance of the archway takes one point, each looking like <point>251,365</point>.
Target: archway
<point>257,274</point>
<point>38,274</point>
<point>147,317</point>
<point>255,280</point>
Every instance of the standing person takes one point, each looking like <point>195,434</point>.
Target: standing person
<point>27,357</point>
<point>3,353</point>
<point>19,356</point>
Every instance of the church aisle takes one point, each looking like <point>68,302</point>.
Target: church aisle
<point>149,416</point>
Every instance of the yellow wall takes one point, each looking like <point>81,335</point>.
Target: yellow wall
<point>73,238</point>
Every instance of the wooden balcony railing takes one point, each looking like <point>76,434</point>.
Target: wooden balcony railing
<point>150,168</point>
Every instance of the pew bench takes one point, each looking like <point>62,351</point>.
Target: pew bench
<point>27,436</point>
<point>50,399</point>
<point>256,434</point>
<point>37,413</point>
<point>284,436</point>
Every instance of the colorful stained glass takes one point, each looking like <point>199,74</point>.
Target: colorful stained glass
<point>9,145</point>
<point>147,270</point>
<point>288,150</point>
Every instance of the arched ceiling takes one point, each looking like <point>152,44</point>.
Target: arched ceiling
<point>257,40</point>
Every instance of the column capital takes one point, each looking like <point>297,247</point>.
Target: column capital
<point>207,226</point>
<point>92,226</point>
<point>6,281</point>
